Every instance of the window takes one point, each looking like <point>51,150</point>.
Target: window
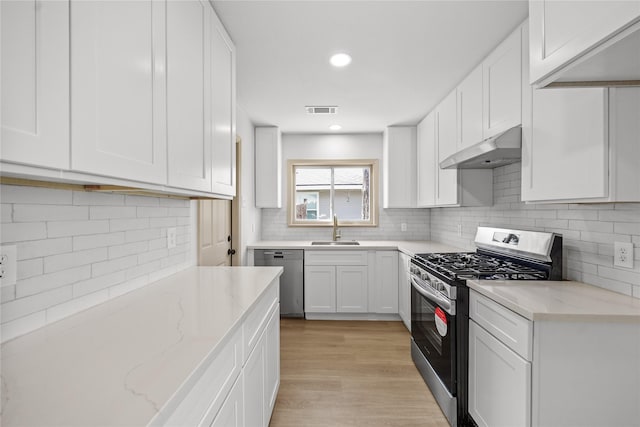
<point>320,189</point>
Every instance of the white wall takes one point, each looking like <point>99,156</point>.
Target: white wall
<point>76,249</point>
<point>588,230</point>
<point>349,146</point>
<point>250,216</point>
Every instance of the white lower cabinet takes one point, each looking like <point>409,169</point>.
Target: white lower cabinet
<point>499,382</point>
<point>350,282</point>
<point>385,282</point>
<point>556,371</point>
<point>239,384</point>
<point>404,289</point>
<point>232,411</point>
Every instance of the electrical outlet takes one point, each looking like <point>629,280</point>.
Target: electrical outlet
<point>8,265</point>
<point>623,254</point>
<point>403,226</point>
<point>171,238</point>
<point>459,230</point>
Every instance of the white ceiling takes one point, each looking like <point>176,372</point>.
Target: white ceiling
<point>407,55</point>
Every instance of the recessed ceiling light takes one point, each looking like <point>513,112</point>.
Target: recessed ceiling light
<point>335,127</point>
<point>340,60</point>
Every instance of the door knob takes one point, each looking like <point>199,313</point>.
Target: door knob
<point>231,252</point>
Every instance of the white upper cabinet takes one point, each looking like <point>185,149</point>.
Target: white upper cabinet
<point>118,89</point>
<point>224,110</point>
<point>502,75</point>
<point>470,122</point>
<point>446,145</point>
<point>426,156</point>
<point>581,145</point>
<point>584,41</point>
<point>35,82</point>
<point>268,167</point>
<point>189,94</point>
<point>399,167</point>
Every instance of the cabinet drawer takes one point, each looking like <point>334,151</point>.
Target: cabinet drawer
<point>510,328</point>
<point>216,378</point>
<point>258,317</point>
<point>332,257</point>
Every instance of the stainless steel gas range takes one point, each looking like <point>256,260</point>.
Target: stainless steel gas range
<point>440,308</point>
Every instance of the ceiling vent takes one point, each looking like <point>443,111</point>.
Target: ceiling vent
<point>312,109</point>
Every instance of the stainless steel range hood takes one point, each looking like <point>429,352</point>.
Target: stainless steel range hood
<point>499,150</point>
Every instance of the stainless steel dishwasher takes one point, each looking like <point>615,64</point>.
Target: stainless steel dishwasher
<point>292,279</point>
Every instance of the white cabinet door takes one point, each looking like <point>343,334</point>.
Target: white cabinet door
<point>446,145</point>
<point>35,82</point>
<point>189,94</point>
<point>565,145</point>
<point>268,167</point>
<point>118,81</point>
<point>426,154</point>
<point>499,382</point>
<point>386,282</point>
<point>399,167</point>
<point>231,413</point>
<point>224,110</point>
<point>272,362</point>
<point>563,31</point>
<point>319,289</point>
<point>352,287</point>
<point>404,289</point>
<point>470,123</point>
<point>502,88</point>
<point>254,386</point>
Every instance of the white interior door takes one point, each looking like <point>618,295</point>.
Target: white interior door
<point>214,232</point>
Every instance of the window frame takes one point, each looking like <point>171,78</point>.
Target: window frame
<point>330,163</point>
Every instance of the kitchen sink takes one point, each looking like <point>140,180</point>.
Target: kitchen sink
<point>331,243</point>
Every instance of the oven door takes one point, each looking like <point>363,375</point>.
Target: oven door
<point>433,328</point>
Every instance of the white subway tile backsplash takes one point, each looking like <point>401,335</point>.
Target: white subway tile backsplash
<point>599,226</point>
<point>95,284</point>
<point>76,228</point>
<point>91,241</point>
<point>129,224</point>
<point>41,248</point>
<point>22,231</point>
<point>34,195</point>
<point>627,228</point>
<point>55,263</point>
<point>6,211</point>
<point>129,249</point>
<point>34,213</point>
<point>77,249</point>
<point>106,267</point>
<point>112,212</point>
<point>97,199</point>
<point>28,305</point>
<point>142,201</point>
<point>37,284</point>
<point>29,268</point>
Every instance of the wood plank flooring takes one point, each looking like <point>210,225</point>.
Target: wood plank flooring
<point>336,373</point>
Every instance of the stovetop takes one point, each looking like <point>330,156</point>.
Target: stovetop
<point>465,265</point>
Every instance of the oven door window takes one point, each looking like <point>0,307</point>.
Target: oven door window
<point>434,332</point>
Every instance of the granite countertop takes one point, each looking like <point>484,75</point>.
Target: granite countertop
<point>560,300</point>
<point>409,247</point>
<point>120,362</point>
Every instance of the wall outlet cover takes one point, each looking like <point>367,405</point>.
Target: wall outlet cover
<point>403,226</point>
<point>8,265</point>
<point>171,238</point>
<point>623,254</point>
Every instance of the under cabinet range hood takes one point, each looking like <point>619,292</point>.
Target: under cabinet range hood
<point>499,150</point>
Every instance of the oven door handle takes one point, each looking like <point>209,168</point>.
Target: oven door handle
<point>444,303</point>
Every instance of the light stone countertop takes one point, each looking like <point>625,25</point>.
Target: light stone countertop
<point>120,362</point>
<point>560,300</point>
<point>408,247</point>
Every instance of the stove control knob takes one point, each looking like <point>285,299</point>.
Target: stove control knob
<point>424,276</point>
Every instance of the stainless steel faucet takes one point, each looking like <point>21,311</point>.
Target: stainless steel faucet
<point>336,230</point>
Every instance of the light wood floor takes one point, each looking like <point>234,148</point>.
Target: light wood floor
<point>350,374</point>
